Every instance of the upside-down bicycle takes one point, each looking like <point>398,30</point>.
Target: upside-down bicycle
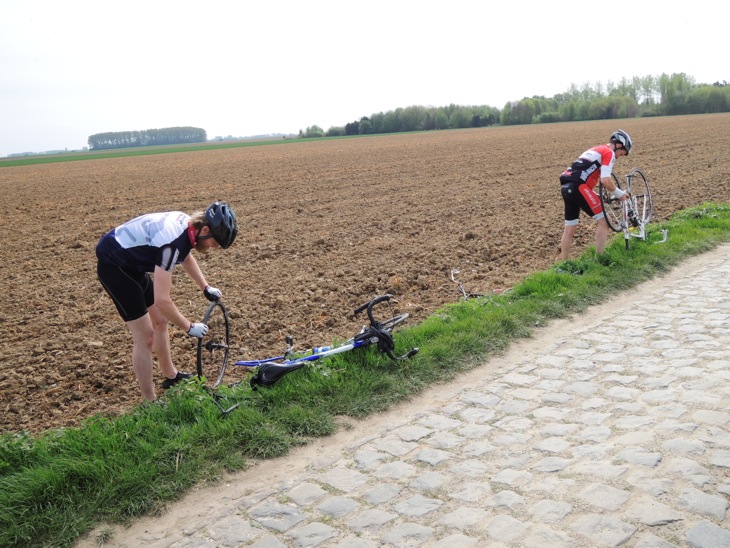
<point>214,348</point>
<point>632,215</point>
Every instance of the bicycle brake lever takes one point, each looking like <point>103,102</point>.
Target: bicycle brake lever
<point>405,356</point>
<point>408,354</point>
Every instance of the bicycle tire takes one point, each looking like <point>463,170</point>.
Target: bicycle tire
<point>612,208</point>
<point>391,323</point>
<point>641,195</point>
<point>214,347</point>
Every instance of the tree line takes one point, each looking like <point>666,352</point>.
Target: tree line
<point>147,137</point>
<point>665,95</point>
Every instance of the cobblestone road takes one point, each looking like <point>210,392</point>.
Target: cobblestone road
<point>609,429</point>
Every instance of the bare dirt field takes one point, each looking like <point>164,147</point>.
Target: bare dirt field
<point>325,226</point>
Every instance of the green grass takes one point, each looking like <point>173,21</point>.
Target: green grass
<point>135,151</point>
<point>161,149</point>
<point>59,485</point>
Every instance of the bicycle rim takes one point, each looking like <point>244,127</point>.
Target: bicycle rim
<point>641,194</point>
<point>213,349</point>
<point>612,209</point>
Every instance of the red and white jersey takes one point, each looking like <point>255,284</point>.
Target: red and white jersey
<point>594,164</point>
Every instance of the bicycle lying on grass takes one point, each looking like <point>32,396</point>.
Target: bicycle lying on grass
<point>632,215</point>
<point>214,349</point>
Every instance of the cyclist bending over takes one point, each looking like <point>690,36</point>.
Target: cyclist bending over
<point>155,243</point>
<point>579,180</point>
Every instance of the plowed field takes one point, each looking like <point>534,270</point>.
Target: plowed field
<point>325,226</point>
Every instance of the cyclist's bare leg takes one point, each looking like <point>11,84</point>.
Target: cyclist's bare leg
<point>161,342</point>
<point>566,240</point>
<point>602,232</point>
<point>142,337</point>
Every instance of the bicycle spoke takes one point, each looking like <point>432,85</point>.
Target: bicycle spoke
<point>641,196</point>
<point>213,349</point>
<point>612,207</point>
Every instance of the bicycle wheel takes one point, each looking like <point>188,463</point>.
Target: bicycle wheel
<point>612,208</point>
<point>393,322</point>
<point>638,186</point>
<point>213,349</point>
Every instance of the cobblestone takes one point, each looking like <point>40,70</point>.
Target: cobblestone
<point>608,429</point>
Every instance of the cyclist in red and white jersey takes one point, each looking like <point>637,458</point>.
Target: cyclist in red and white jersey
<point>577,184</point>
<point>155,243</point>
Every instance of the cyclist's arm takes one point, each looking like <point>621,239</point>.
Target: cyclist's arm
<point>163,301</point>
<point>190,266</point>
<point>610,185</point>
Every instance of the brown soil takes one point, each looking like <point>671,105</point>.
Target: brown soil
<point>325,227</point>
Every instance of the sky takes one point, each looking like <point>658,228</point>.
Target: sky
<point>70,69</point>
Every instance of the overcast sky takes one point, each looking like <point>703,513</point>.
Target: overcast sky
<point>73,68</point>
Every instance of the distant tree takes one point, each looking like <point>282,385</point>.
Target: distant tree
<point>674,91</point>
<point>547,118</point>
<point>148,137</point>
<point>460,118</point>
<point>312,131</point>
<point>628,98</point>
<point>391,121</point>
<point>718,100</point>
<point>441,120</point>
<point>353,128</point>
<point>365,126</point>
<point>413,118</point>
<point>378,122</point>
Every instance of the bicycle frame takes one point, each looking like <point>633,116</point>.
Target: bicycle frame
<point>633,214</point>
<point>629,216</point>
<point>269,370</point>
<point>272,369</point>
<point>313,354</point>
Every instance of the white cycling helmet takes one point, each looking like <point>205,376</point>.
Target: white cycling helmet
<point>620,136</point>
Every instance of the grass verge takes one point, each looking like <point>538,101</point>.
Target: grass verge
<point>59,485</point>
<point>152,150</point>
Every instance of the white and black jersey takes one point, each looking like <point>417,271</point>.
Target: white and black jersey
<point>155,239</point>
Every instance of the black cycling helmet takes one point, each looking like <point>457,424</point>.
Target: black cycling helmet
<point>222,222</point>
<point>620,136</point>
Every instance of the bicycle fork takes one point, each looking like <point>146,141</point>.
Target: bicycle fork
<point>634,227</point>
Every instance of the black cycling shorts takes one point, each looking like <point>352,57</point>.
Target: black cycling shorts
<point>132,292</point>
<point>574,197</point>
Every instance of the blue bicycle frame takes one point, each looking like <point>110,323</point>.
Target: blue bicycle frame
<point>272,369</point>
<point>310,355</point>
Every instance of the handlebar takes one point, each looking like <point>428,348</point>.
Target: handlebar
<point>369,306</point>
<point>376,332</point>
<point>412,352</point>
